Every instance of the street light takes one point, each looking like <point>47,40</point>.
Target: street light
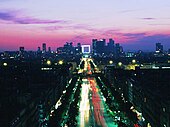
<point>60,62</point>
<point>133,61</point>
<point>120,64</point>
<point>48,62</point>
<point>5,64</point>
<point>110,62</point>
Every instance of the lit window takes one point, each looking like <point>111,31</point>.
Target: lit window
<point>145,99</point>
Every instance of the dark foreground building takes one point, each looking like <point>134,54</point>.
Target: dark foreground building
<point>148,90</point>
<point>28,90</point>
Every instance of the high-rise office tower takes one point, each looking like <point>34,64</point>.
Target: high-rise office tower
<point>111,42</point>
<point>117,49</point>
<point>79,45</point>
<point>49,49</point>
<point>44,47</point>
<point>101,46</point>
<point>110,46</point>
<point>78,48</point>
<point>94,41</point>
<point>39,49</point>
<point>21,49</point>
<point>159,48</point>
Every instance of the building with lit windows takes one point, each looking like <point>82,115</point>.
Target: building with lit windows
<point>44,48</point>
<point>159,48</point>
<point>148,90</point>
<point>99,46</point>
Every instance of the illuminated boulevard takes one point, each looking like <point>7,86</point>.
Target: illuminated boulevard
<point>92,106</point>
<point>87,102</point>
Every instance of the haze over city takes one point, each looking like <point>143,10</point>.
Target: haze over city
<point>135,24</point>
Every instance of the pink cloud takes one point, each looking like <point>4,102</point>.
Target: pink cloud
<point>17,19</point>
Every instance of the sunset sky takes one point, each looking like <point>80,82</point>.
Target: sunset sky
<point>135,24</point>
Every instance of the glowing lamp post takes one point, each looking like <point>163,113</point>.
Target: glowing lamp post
<point>48,62</point>
<point>133,61</point>
<point>120,64</point>
<point>5,64</point>
<point>60,62</point>
<point>110,62</point>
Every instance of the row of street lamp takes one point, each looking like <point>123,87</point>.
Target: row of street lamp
<point>120,63</point>
<point>59,62</point>
<point>48,63</point>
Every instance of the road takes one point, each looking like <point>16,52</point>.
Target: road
<point>90,109</point>
<point>92,106</point>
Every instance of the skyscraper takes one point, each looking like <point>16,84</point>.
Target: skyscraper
<point>110,46</point>
<point>21,49</point>
<point>78,48</point>
<point>101,46</point>
<point>117,49</point>
<point>49,49</point>
<point>111,41</point>
<point>94,41</point>
<point>39,49</point>
<point>44,47</point>
<point>159,48</point>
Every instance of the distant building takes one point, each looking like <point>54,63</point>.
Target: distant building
<point>94,41</point>
<point>21,49</point>
<point>79,45</point>
<point>44,47</point>
<point>49,49</point>
<point>99,46</point>
<point>39,49</point>
<point>130,54</point>
<point>121,49</point>
<point>78,49</point>
<point>60,50</point>
<point>118,50</point>
<point>68,49</point>
<point>159,48</point>
<point>110,46</point>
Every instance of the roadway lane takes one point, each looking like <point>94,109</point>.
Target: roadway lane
<point>92,111</point>
<point>92,106</point>
<point>97,104</point>
<point>98,101</point>
<point>85,104</point>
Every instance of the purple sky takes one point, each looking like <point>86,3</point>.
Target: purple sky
<point>136,24</point>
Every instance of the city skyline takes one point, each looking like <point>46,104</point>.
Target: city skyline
<point>44,47</point>
<point>137,26</point>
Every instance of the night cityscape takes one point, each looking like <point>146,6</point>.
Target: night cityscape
<point>84,63</point>
<point>85,86</point>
